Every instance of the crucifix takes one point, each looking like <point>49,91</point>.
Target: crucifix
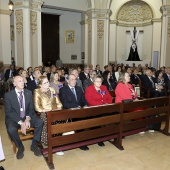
<point>133,54</point>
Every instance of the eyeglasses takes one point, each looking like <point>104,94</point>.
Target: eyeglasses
<point>98,81</point>
<point>46,82</point>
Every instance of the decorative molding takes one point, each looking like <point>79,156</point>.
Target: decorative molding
<point>169,26</point>
<point>89,28</point>
<point>135,11</point>
<point>32,5</point>
<point>100,28</point>
<point>33,21</point>
<point>12,32</point>
<point>5,12</point>
<point>19,20</point>
<point>17,4</point>
<point>98,13</point>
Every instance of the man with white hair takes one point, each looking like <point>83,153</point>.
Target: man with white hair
<point>19,109</point>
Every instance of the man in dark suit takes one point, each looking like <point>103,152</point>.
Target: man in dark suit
<point>19,109</point>
<point>72,96</point>
<point>84,75</point>
<point>9,74</point>
<point>98,71</point>
<point>33,84</point>
<point>89,81</point>
<point>149,82</point>
<point>135,78</point>
<point>166,76</point>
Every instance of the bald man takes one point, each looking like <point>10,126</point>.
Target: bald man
<point>20,113</point>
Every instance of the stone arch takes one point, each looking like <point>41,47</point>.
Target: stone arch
<point>135,11</point>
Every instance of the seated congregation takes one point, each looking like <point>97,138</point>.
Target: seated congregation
<point>32,94</point>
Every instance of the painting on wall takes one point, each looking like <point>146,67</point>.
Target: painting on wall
<point>69,36</point>
<point>73,57</point>
<point>12,32</point>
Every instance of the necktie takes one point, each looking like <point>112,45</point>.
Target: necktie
<point>152,82</point>
<point>73,91</point>
<point>22,112</point>
<point>87,76</point>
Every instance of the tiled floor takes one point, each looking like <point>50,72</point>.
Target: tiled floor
<point>150,151</point>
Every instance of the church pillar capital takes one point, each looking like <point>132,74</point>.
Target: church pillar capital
<point>165,10</point>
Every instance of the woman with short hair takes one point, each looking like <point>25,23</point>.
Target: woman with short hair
<point>45,100</point>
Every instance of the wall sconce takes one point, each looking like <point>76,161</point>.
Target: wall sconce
<point>10,5</point>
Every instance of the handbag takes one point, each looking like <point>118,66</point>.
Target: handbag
<point>127,101</point>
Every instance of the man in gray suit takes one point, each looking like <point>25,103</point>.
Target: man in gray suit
<point>89,81</point>
<point>19,109</point>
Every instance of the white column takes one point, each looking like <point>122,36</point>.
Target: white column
<point>165,34</point>
<point>98,36</point>
<point>5,41</point>
<point>26,37</point>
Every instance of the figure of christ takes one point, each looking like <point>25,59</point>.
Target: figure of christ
<point>133,54</point>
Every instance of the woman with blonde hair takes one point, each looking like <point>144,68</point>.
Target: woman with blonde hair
<point>45,99</point>
<point>23,74</point>
<point>54,83</point>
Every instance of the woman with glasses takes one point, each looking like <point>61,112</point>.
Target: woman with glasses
<point>45,99</point>
<point>124,90</point>
<point>97,94</point>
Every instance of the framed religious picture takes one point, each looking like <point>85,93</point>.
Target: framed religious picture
<point>12,32</point>
<point>73,57</point>
<point>69,36</point>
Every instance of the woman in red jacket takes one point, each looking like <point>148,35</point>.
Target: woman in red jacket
<point>124,90</point>
<point>97,94</point>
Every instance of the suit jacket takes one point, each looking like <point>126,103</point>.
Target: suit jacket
<point>68,99</point>
<point>166,79</point>
<point>147,83</point>
<point>134,79</point>
<point>98,72</point>
<point>94,98</point>
<point>87,83</point>
<point>31,85</point>
<point>12,106</point>
<point>41,101</point>
<point>7,72</point>
<point>82,76</point>
<point>169,86</point>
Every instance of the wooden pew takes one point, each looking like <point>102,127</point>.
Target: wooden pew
<point>138,115</point>
<point>98,127</point>
<point>112,93</point>
<point>110,126</point>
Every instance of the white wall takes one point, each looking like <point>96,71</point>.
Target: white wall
<point>69,4</point>
<point>69,21</point>
<point>5,44</point>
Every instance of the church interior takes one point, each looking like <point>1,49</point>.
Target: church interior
<point>96,32</point>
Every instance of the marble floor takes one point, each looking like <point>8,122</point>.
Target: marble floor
<point>150,151</point>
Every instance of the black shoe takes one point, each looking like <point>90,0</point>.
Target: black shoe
<point>84,148</point>
<point>20,153</point>
<point>101,144</point>
<point>36,150</point>
<point>2,168</point>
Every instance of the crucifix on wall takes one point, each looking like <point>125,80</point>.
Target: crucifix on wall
<point>133,54</point>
